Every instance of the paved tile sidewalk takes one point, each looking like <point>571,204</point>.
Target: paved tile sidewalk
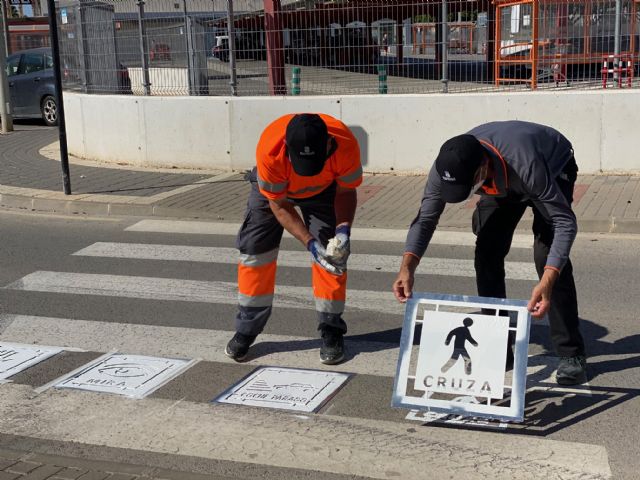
<point>18,465</point>
<point>30,181</point>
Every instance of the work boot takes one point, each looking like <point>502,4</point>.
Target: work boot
<point>332,349</point>
<point>572,370</point>
<point>238,346</point>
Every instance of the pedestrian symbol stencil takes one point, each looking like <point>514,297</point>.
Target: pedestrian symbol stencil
<point>462,354</point>
<point>462,335</point>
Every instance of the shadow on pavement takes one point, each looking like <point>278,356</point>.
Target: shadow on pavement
<point>550,407</point>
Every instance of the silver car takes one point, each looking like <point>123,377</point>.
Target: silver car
<point>31,85</point>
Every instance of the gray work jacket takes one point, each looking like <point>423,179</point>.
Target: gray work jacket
<point>527,158</point>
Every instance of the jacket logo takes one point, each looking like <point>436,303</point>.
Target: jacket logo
<point>447,176</point>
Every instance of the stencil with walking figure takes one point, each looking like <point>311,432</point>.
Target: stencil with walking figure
<point>462,353</point>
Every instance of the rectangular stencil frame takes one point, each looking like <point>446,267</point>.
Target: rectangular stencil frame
<point>22,358</point>
<point>168,369</point>
<point>510,408</point>
<point>261,390</point>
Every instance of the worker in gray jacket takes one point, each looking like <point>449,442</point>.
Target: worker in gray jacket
<point>511,165</point>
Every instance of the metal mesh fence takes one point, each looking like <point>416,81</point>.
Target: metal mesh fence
<point>289,47</point>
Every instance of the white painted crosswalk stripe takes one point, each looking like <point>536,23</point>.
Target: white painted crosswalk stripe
<point>367,358</point>
<point>440,237</point>
<point>371,358</point>
<point>153,288</point>
<point>452,267</point>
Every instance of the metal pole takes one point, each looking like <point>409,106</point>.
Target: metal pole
<point>445,49</point>
<point>189,44</point>
<point>144,49</point>
<point>233,81</point>
<point>5,96</point>
<point>616,44</point>
<point>62,131</point>
<point>4,4</point>
<point>275,50</point>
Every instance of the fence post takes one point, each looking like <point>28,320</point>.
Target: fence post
<point>233,80</point>
<point>616,44</point>
<point>295,81</point>
<point>275,49</point>
<point>445,48</point>
<point>144,49</point>
<point>382,79</point>
<point>189,50</point>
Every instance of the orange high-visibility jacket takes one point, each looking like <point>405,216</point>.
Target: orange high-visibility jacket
<point>276,177</point>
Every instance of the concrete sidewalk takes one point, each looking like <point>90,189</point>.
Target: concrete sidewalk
<point>31,179</point>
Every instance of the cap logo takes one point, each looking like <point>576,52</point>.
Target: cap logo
<point>447,176</point>
<point>307,151</point>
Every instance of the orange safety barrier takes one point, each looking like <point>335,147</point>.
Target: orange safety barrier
<point>618,67</point>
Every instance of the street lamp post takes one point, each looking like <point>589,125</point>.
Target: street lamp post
<point>62,130</point>
<point>5,104</point>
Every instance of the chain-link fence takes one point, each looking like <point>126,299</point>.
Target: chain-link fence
<point>288,47</point>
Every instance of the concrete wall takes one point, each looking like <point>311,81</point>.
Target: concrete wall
<point>397,133</point>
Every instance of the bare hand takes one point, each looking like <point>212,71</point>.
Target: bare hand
<point>541,295</point>
<point>403,286</point>
<point>540,300</point>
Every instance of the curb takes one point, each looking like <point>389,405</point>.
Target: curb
<point>43,204</point>
<point>21,464</point>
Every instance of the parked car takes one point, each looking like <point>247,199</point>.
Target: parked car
<point>31,85</point>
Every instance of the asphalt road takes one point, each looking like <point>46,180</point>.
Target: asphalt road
<point>100,301</point>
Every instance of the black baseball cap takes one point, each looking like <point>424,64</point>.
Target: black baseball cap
<point>306,140</point>
<point>456,164</point>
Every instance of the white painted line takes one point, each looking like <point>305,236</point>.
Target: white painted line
<point>220,177</point>
<point>16,357</point>
<point>369,358</point>
<point>451,267</point>
<point>324,443</point>
<point>188,290</point>
<point>440,237</point>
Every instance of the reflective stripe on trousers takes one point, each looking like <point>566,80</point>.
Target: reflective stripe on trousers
<point>257,279</point>
<point>329,291</point>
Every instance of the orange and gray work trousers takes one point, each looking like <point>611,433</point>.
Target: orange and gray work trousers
<point>259,242</point>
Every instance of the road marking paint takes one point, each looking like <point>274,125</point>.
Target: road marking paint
<point>451,267</point>
<point>440,237</point>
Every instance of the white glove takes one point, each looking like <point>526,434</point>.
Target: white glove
<point>320,256</point>
<point>339,247</point>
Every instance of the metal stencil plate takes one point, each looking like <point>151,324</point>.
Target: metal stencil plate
<point>285,388</point>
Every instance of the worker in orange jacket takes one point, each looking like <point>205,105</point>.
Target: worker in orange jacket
<point>311,161</point>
